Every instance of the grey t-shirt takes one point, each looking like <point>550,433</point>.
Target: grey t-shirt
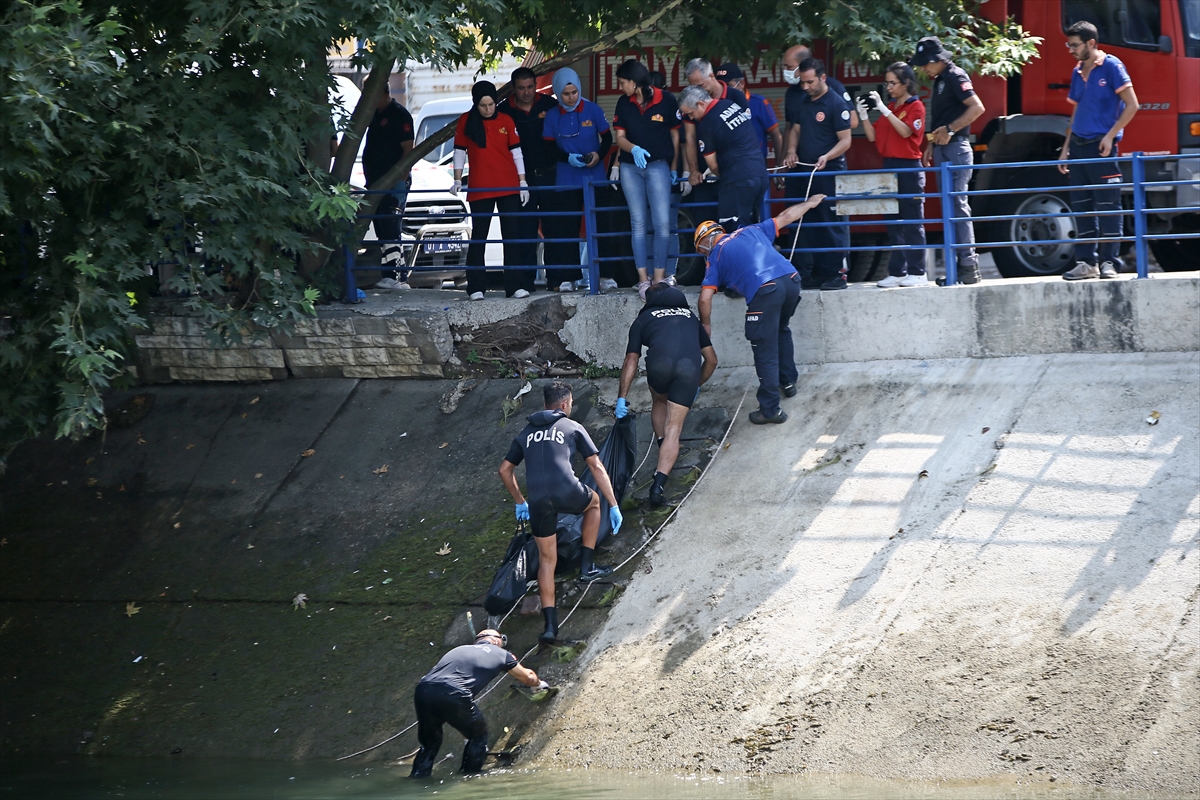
<point>470,668</point>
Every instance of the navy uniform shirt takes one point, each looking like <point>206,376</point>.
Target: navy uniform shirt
<point>947,99</point>
<point>649,126</point>
<point>726,131</point>
<point>539,156</point>
<point>468,669</point>
<point>548,442</point>
<point>390,128</point>
<point>820,120</point>
<point>669,330</point>
<point>796,96</point>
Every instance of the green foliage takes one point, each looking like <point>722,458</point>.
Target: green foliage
<point>593,370</point>
<point>195,135</point>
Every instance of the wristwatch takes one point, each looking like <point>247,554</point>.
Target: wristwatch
<point>949,132</point>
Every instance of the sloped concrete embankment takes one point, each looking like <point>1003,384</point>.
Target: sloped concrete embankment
<point>938,570</point>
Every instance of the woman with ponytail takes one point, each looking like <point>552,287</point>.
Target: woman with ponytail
<point>488,139</point>
<point>647,122</point>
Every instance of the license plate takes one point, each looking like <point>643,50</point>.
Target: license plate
<point>443,246</point>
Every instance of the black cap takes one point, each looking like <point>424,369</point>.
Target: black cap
<point>730,72</point>
<point>929,49</point>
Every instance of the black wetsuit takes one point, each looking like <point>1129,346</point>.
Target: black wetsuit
<point>447,694</point>
<point>674,337</point>
<point>548,442</point>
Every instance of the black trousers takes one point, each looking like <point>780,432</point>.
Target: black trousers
<point>739,203</point>
<point>1085,200</point>
<point>828,265</point>
<point>565,226</point>
<point>768,327</point>
<point>508,207</point>
<point>907,262</point>
<point>438,704</point>
<point>533,222</point>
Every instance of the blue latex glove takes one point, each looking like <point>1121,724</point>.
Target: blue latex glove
<point>622,408</point>
<point>575,160</point>
<point>615,519</point>
<point>522,511</point>
<point>640,156</point>
<point>674,177</point>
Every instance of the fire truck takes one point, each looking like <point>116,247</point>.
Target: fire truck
<point>1026,120</point>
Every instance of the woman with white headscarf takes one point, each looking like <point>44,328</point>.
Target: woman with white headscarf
<point>580,131</point>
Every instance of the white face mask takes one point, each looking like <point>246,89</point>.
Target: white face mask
<point>792,76</point>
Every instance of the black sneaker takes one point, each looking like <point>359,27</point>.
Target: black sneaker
<point>789,389</point>
<point>759,418</point>
<point>833,285</point>
<point>595,573</point>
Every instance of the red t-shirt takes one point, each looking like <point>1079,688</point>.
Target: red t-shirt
<point>892,144</point>
<point>491,166</point>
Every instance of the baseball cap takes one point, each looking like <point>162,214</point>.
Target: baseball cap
<point>730,72</point>
<point>929,49</point>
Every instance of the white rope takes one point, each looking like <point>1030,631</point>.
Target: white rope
<point>807,192</point>
<point>632,555</point>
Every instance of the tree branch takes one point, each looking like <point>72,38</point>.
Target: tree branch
<point>372,90</point>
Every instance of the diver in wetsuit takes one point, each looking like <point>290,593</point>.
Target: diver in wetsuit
<point>447,695</point>
<point>679,359</point>
<point>546,445</point>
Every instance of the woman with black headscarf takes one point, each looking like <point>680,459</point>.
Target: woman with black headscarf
<point>488,139</point>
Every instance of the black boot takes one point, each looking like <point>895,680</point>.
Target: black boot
<point>588,571</point>
<point>551,633</point>
<point>656,489</point>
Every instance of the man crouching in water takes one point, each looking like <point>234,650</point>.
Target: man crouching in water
<point>548,442</point>
<point>447,694</point>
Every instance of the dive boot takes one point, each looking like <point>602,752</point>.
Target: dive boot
<point>656,490</point>
<point>595,573</point>
<point>551,633</point>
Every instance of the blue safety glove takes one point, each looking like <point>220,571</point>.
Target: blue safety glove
<point>575,160</point>
<point>674,177</point>
<point>615,519</point>
<point>640,156</point>
<point>522,512</point>
<point>622,408</point>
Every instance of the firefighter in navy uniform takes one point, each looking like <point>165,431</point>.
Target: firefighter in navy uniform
<point>953,106</point>
<point>824,119</point>
<point>447,695</point>
<point>729,145</point>
<point>546,445</point>
<point>679,359</point>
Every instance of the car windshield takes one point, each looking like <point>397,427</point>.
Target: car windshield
<point>1189,11</point>
<point>430,126</point>
<point>1128,23</point>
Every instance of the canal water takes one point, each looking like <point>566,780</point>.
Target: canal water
<point>146,779</point>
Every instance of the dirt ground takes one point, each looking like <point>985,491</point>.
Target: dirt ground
<point>934,570</point>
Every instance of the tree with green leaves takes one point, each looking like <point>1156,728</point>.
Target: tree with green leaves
<point>195,136</point>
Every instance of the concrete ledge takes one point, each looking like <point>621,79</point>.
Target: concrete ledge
<point>412,335</point>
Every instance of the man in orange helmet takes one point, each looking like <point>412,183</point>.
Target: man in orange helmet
<point>748,261</point>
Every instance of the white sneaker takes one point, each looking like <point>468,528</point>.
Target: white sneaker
<point>390,283</point>
<point>607,284</point>
<point>566,286</point>
<point>642,288</point>
<point>891,281</point>
<point>477,295</point>
<point>404,286</point>
<point>669,280</point>
<point>520,294</point>
<point>914,280</point>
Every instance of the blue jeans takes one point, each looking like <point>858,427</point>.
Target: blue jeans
<point>649,184</point>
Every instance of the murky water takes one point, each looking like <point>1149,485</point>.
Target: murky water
<point>145,779</point>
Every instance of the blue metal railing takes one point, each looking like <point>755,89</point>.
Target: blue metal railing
<point>950,247</point>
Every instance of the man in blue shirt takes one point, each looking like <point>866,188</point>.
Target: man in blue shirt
<point>825,119</point>
<point>1104,104</point>
<point>748,261</point>
<point>725,138</point>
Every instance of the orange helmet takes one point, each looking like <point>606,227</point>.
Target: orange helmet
<point>704,230</point>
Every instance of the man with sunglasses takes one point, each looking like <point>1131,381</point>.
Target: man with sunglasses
<point>1105,103</point>
<point>447,695</point>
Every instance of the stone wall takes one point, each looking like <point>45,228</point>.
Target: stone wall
<point>338,344</point>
